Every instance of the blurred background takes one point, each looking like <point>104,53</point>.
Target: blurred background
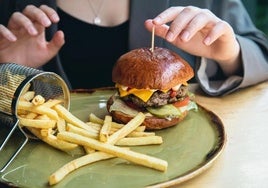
<point>258,10</point>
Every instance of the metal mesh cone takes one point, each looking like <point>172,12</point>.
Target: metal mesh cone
<point>15,81</point>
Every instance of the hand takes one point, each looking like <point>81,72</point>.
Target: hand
<point>199,32</point>
<point>23,40</point>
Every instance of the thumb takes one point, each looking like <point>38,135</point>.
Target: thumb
<point>56,43</point>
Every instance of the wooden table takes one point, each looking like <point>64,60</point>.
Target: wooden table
<point>244,161</point>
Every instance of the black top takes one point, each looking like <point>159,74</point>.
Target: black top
<point>92,50</point>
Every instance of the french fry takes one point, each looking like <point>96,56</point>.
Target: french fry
<point>27,96</point>
<point>95,119</point>
<point>128,128</point>
<point>95,126</point>
<point>105,129</point>
<point>117,126</point>
<point>40,109</point>
<point>61,125</point>
<point>46,132</point>
<point>139,141</point>
<point>77,163</point>
<point>89,150</point>
<point>134,133</point>
<point>38,99</point>
<point>140,134</point>
<point>31,115</point>
<point>52,102</point>
<point>83,132</point>
<point>53,140</point>
<point>37,123</point>
<point>21,112</point>
<point>69,117</point>
<point>43,116</point>
<point>60,144</point>
<point>140,128</point>
<point>135,157</point>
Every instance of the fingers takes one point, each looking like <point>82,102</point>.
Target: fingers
<point>51,13</point>
<point>56,43</point>
<point>218,30</point>
<point>160,30</point>
<point>203,22</point>
<point>19,20</point>
<point>167,16</point>
<point>6,33</point>
<point>186,22</point>
<point>180,18</point>
<point>43,16</point>
<point>36,14</point>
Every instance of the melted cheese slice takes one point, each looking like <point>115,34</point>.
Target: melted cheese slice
<point>143,94</point>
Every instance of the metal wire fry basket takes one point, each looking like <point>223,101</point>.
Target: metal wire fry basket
<point>15,80</point>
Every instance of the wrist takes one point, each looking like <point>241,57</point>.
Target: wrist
<point>232,65</point>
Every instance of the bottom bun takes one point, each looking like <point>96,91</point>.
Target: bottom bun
<point>151,123</point>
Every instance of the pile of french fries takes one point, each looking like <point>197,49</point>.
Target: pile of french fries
<point>100,138</point>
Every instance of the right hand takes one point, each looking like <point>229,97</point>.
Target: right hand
<point>23,41</point>
<point>201,33</point>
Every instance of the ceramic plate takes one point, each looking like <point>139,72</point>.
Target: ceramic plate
<point>189,148</point>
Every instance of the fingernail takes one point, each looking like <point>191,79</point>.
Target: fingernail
<point>46,22</point>
<point>32,30</point>
<point>12,38</point>
<point>55,18</point>
<point>170,36</point>
<point>157,20</point>
<point>207,41</point>
<point>185,36</point>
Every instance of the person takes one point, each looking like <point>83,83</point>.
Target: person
<point>81,40</point>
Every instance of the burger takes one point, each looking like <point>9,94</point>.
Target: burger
<point>153,82</point>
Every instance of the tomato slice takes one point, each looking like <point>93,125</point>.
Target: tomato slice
<point>182,103</point>
<point>173,94</point>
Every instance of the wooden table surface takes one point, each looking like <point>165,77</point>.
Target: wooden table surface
<point>244,161</point>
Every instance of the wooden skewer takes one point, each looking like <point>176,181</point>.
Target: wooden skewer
<point>152,45</point>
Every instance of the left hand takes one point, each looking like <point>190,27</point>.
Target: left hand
<point>200,33</point>
<point>23,40</point>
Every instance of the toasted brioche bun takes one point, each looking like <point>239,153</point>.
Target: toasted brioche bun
<point>143,69</point>
<point>151,122</point>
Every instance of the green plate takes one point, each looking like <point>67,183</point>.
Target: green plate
<point>189,148</point>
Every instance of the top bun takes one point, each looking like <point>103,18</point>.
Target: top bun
<point>143,69</point>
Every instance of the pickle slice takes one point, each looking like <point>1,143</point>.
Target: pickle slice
<point>166,111</point>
